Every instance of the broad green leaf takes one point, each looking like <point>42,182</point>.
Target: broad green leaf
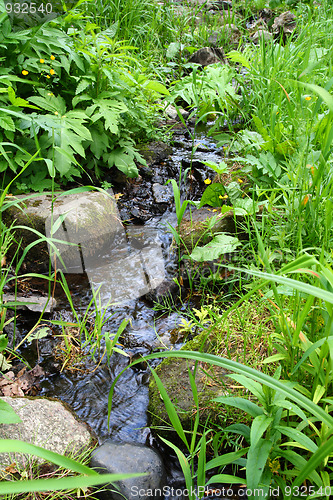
<point>288,405</point>
<point>256,461</point>
<point>251,385</point>
<point>225,479</point>
<point>238,57</point>
<point>220,244</point>
<point>3,342</point>
<point>299,437</point>
<point>319,393</point>
<point>211,195</point>
<point>4,364</point>
<point>274,358</point>
<point>242,429</point>
<point>258,427</point>
<point>7,414</point>
<point>241,403</point>
<point>7,123</point>
<point>225,459</point>
<point>220,168</point>
<point>109,110</point>
<point>156,87</point>
<point>40,333</point>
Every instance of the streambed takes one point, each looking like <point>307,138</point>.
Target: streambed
<point>87,390</point>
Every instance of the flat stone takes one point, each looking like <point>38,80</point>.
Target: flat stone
<point>194,226</point>
<point>115,458</point>
<point>46,423</point>
<point>34,303</point>
<point>172,112</point>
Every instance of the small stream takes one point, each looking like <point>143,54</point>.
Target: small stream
<point>127,272</point>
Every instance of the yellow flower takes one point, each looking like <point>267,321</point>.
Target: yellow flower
<point>207,181</point>
<point>56,113</point>
<point>41,61</point>
<point>225,196</point>
<point>52,71</point>
<point>52,58</point>
<point>25,72</point>
<point>308,98</point>
<point>240,180</point>
<point>48,76</point>
<point>221,197</point>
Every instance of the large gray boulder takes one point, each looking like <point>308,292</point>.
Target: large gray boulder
<point>89,219</point>
<point>86,235</point>
<point>115,458</point>
<point>46,423</point>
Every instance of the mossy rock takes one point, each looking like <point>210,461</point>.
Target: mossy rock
<point>91,220</point>
<point>173,373</point>
<point>242,335</point>
<point>155,152</point>
<point>193,227</point>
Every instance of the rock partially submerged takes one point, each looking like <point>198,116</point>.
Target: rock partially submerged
<point>193,227</point>
<point>46,423</point>
<point>115,458</point>
<point>81,223</point>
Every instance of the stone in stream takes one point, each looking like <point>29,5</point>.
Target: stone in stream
<point>207,56</point>
<point>46,423</point>
<point>194,225</point>
<point>89,236</point>
<point>34,303</point>
<point>115,458</point>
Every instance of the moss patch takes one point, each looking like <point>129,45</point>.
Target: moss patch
<point>244,336</point>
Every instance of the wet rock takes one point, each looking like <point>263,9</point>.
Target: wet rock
<point>155,152</point>
<point>229,33</point>
<point>166,290</point>
<point>261,34</point>
<point>162,194</point>
<point>118,458</point>
<point>46,423</point>
<point>207,56</point>
<point>34,303</point>
<point>88,219</point>
<point>284,24</point>
<point>194,224</point>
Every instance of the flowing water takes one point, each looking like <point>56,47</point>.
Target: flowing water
<point>127,272</point>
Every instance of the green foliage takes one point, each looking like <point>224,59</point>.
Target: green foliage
<point>69,93</point>
<point>208,92</point>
